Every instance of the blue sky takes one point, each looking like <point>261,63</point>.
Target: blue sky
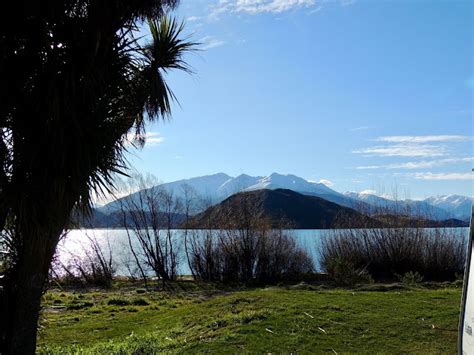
<point>365,95</point>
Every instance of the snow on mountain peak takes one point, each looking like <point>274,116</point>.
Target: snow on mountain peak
<point>219,186</point>
<point>451,202</point>
<point>292,182</point>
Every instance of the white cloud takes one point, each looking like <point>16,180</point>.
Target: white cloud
<point>274,6</point>
<point>193,18</point>
<point>368,167</point>
<point>420,146</point>
<point>361,128</point>
<point>442,176</point>
<point>424,139</point>
<point>151,138</point>
<point>260,6</point>
<point>254,7</point>
<point>404,150</point>
<point>209,42</point>
<point>315,10</point>
<point>423,164</point>
<point>326,182</point>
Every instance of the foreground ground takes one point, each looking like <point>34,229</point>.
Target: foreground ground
<point>303,318</point>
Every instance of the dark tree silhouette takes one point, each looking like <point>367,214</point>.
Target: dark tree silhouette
<point>73,82</point>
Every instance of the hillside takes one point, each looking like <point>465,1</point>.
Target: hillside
<point>294,209</point>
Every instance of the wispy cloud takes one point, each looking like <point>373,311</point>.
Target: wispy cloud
<point>326,182</point>
<point>193,18</point>
<point>403,150</point>
<point>150,138</point>
<point>422,164</point>
<point>153,138</point>
<point>253,7</point>
<point>260,6</point>
<point>424,139</point>
<point>413,146</point>
<point>209,42</point>
<point>361,128</point>
<point>442,176</point>
<point>315,10</point>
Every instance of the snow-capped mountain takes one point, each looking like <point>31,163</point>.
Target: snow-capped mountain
<point>457,206</point>
<point>291,182</point>
<point>413,207</point>
<point>217,187</point>
<point>298,184</point>
<point>237,184</point>
<point>440,207</point>
<point>371,199</point>
<point>204,186</point>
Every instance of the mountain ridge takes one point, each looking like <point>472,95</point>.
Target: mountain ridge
<point>217,187</point>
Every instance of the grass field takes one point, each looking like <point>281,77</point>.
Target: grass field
<point>303,318</point>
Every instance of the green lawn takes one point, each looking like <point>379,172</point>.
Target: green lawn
<point>275,319</point>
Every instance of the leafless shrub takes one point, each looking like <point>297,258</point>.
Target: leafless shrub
<point>149,216</point>
<point>93,264</point>
<point>204,255</point>
<point>246,248</point>
<point>400,244</point>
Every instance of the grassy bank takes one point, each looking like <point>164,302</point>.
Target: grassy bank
<point>294,318</point>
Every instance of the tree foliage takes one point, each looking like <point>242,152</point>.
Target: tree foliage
<point>74,81</point>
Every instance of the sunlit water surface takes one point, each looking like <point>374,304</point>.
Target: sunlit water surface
<point>76,242</point>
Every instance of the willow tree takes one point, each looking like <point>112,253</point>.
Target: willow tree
<point>74,81</point>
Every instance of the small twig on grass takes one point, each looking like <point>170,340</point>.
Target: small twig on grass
<point>309,315</point>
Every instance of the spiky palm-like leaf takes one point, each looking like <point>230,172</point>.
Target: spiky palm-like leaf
<point>73,84</point>
<point>165,52</point>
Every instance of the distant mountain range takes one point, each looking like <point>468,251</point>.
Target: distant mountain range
<point>457,206</point>
<point>216,188</point>
<point>411,207</point>
<point>281,207</point>
<point>437,208</point>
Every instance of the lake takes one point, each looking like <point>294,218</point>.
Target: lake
<point>76,242</point>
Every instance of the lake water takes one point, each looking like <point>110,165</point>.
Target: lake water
<point>76,242</point>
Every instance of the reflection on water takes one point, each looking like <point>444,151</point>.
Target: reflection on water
<point>76,242</point>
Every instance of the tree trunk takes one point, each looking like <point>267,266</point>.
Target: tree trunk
<point>23,290</point>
